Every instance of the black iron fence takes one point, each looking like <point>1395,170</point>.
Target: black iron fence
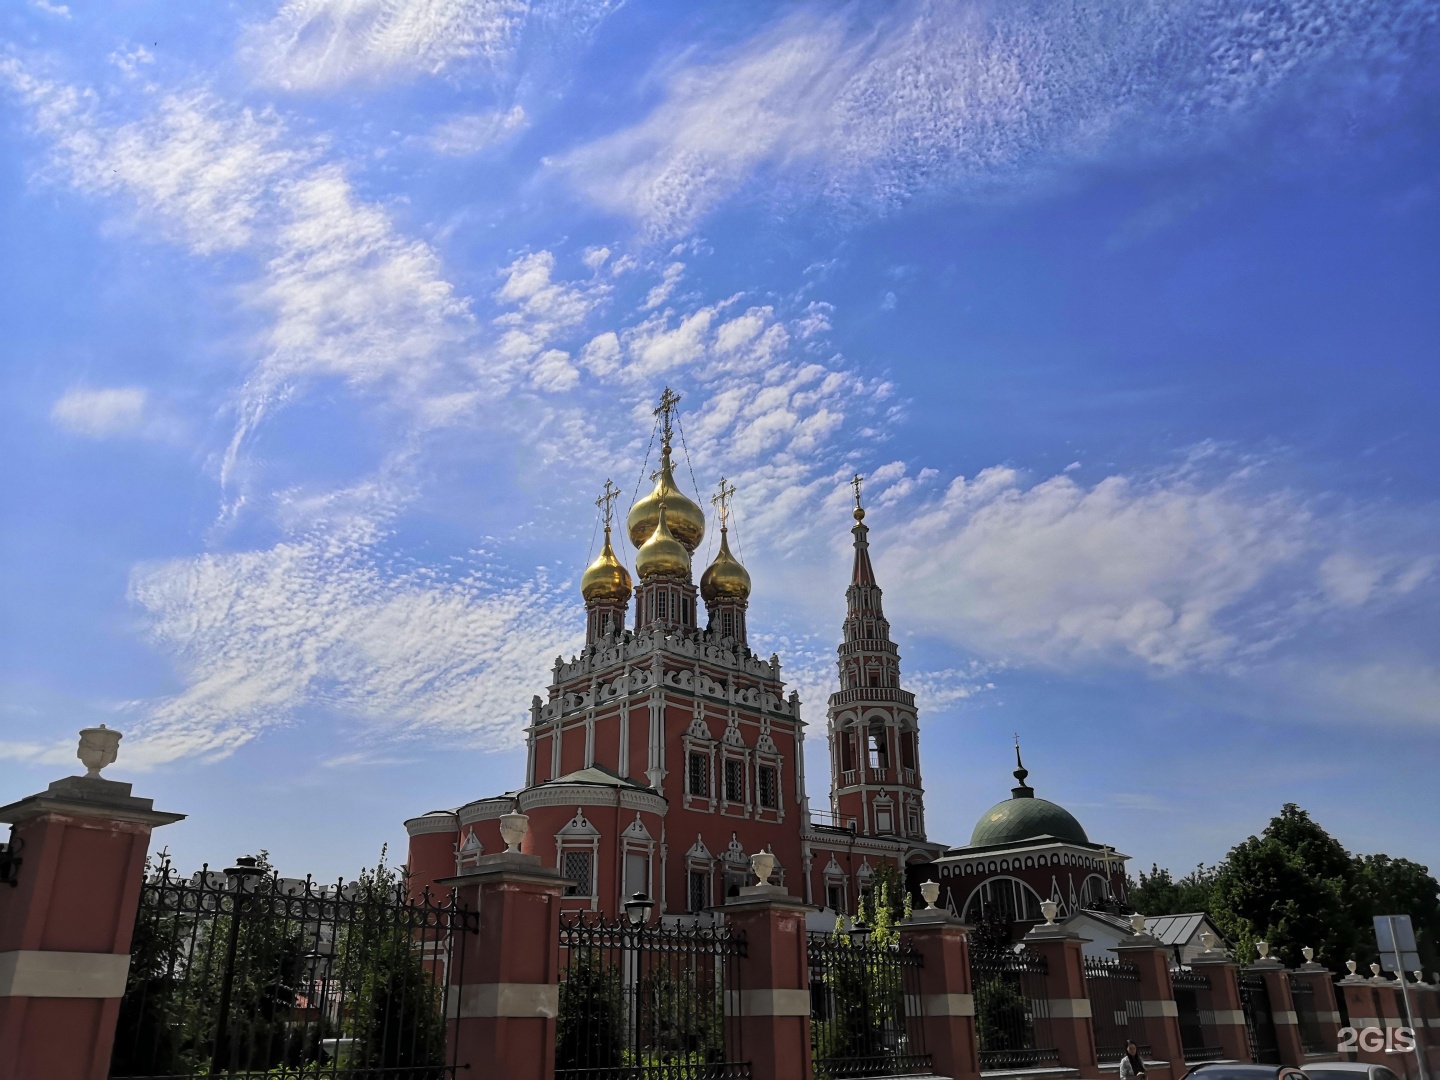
<point>1199,1037</point>
<point>1113,987</point>
<point>1012,1013</point>
<point>242,974</point>
<point>1307,1017</point>
<point>865,1008</point>
<point>648,1002</point>
<point>1259,1019</point>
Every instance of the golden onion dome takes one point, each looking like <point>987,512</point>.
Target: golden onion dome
<point>687,520</point>
<point>725,578</point>
<point>606,578</point>
<point>662,555</point>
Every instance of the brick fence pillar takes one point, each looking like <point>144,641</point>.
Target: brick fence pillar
<point>945,994</point>
<point>1225,1002</point>
<point>1159,1015</point>
<point>65,926</point>
<point>1282,1010</point>
<point>774,982</point>
<point>1327,1010</point>
<point>1065,989</point>
<point>1426,998</point>
<point>505,989</point>
<point>1375,1003</point>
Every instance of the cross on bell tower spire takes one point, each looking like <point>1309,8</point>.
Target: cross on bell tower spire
<point>665,411</point>
<point>721,501</point>
<point>606,503</point>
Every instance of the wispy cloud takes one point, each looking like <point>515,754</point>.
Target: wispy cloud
<point>872,107</point>
<point>460,136</point>
<point>325,620</point>
<point>100,413</point>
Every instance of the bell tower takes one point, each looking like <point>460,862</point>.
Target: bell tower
<point>872,722</point>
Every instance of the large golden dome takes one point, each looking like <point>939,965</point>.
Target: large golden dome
<point>687,520</point>
<point>662,555</point>
<point>606,579</point>
<point>725,578</point>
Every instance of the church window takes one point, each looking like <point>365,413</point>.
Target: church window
<point>835,896</point>
<point>734,882</point>
<point>874,677</point>
<point>912,823</point>
<point>907,749</point>
<point>879,752</point>
<point>698,892</point>
<point>769,796</point>
<point>699,775</point>
<point>847,751</point>
<point>883,823</point>
<point>575,867</point>
<point>660,612</point>
<point>727,623</point>
<point>734,782</point>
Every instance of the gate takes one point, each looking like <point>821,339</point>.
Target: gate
<point>1199,1039</point>
<point>244,974</point>
<point>1307,1017</point>
<point>647,1002</point>
<point>1113,987</point>
<point>1012,1013</point>
<point>1259,1020</point>
<point>865,1009</point>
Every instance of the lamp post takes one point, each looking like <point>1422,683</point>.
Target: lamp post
<point>637,909</point>
<point>859,931</point>
<point>246,869</point>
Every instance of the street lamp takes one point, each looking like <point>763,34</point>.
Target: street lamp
<point>637,908</point>
<point>859,932</point>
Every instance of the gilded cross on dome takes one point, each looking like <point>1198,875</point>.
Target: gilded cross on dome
<point>721,501</point>
<point>606,502</point>
<point>855,482</point>
<point>666,412</point>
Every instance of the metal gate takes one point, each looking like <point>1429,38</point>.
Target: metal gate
<point>647,1002</point>
<point>865,1008</point>
<point>243,973</point>
<point>1259,1020</point>
<point>1113,987</point>
<point>1012,1011</point>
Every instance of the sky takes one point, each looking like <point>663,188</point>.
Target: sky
<point>325,322</point>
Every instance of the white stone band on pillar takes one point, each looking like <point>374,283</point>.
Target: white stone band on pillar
<point>949,1005</point>
<point>1285,1016</point>
<point>45,974</point>
<point>1159,1008</point>
<point>775,1002</point>
<point>1232,1017</point>
<point>1070,1009</point>
<point>532,1000</point>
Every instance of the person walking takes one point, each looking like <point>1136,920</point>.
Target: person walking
<point>1132,1065</point>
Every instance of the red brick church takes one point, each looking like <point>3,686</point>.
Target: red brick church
<point>667,752</point>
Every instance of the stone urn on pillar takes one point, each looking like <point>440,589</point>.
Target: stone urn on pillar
<point>513,827</point>
<point>99,747</point>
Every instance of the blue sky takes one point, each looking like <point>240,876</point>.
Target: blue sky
<point>326,320</point>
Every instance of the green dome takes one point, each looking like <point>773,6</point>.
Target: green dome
<point>1024,818</point>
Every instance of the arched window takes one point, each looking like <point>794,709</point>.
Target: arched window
<point>1005,897</point>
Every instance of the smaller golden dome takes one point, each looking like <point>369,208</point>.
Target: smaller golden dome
<point>662,555</point>
<point>606,579</point>
<point>725,578</point>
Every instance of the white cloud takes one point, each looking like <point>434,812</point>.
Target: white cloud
<point>461,136</point>
<point>872,109</point>
<point>101,413</point>
<point>323,44</point>
<point>322,620</point>
<point>1171,571</point>
<point>61,10</point>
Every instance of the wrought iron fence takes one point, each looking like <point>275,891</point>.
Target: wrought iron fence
<point>1012,1013</point>
<point>242,974</point>
<point>1307,1017</point>
<point>865,1011</point>
<point>648,1002</point>
<point>1259,1019</point>
<point>1199,1037</point>
<point>1113,987</point>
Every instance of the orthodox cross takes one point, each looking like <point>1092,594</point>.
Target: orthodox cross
<point>721,501</point>
<point>666,411</point>
<point>855,482</point>
<point>606,502</point>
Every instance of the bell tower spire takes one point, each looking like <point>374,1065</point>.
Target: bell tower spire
<point>872,721</point>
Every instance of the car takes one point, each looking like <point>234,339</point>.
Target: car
<point>1348,1070</point>
<point>1233,1070</point>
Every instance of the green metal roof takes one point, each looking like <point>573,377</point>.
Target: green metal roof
<point>1025,818</point>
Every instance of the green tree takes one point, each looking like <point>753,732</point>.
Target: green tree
<point>590,1027</point>
<point>1160,894</point>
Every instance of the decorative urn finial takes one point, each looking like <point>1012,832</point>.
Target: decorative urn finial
<point>930,892</point>
<point>1207,940</point>
<point>763,864</point>
<point>99,747</point>
<point>1309,954</point>
<point>1351,966</point>
<point>513,827</point>
<point>1375,971</point>
<point>1263,948</point>
<point>1137,923</point>
<point>1048,908</point>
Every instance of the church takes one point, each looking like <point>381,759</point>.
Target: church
<point>666,752</point>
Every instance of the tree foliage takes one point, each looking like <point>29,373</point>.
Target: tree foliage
<point>1296,885</point>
